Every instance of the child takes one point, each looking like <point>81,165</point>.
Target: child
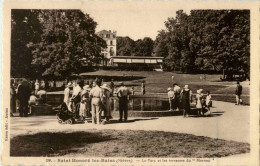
<point>208,101</point>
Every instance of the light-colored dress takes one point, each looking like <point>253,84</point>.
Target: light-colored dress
<point>84,104</point>
<point>208,99</point>
<point>198,98</point>
<point>66,96</point>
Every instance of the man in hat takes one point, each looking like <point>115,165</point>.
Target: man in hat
<point>96,95</point>
<point>171,97</point>
<point>106,102</point>
<point>122,94</point>
<point>186,99</point>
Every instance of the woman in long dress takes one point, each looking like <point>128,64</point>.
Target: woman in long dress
<point>67,94</point>
<point>107,91</point>
<point>85,102</point>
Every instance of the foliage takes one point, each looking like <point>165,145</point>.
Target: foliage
<point>206,40</point>
<point>128,47</point>
<point>53,43</point>
<point>125,45</point>
<point>143,47</point>
<point>68,39</point>
<point>25,28</point>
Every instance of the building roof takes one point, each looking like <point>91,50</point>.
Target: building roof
<point>105,32</point>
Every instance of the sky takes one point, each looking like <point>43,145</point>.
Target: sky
<point>135,20</point>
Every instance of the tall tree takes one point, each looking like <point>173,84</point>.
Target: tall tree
<point>143,47</point>
<point>25,28</point>
<point>68,43</point>
<point>125,46</point>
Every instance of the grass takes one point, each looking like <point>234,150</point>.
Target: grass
<point>125,143</point>
<point>158,82</point>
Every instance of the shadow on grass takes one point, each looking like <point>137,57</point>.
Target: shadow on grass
<point>54,144</point>
<point>124,143</point>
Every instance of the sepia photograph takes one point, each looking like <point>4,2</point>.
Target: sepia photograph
<point>125,84</point>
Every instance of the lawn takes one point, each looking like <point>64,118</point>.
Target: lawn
<point>123,143</point>
<point>158,82</point>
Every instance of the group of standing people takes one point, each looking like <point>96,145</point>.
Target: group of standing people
<point>24,94</point>
<point>181,99</point>
<point>93,99</point>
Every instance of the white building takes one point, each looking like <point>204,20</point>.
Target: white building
<point>110,38</point>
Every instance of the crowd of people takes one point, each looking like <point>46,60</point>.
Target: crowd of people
<point>181,99</point>
<point>93,100</point>
<point>24,94</point>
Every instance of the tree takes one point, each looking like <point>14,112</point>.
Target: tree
<point>25,28</point>
<point>206,40</point>
<point>68,44</point>
<point>143,47</point>
<point>125,46</point>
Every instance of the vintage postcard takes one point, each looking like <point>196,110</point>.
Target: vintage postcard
<point>130,83</point>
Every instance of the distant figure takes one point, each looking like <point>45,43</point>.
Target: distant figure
<point>37,86</point>
<point>199,97</point>
<point>143,87</point>
<point>112,86</point>
<point>96,95</point>
<point>208,101</point>
<point>19,83</point>
<point>172,78</point>
<point>122,94</point>
<point>171,97</point>
<point>186,99</point>
<point>42,86</point>
<point>238,93</point>
<point>106,102</point>
<point>132,91</point>
<point>177,92</point>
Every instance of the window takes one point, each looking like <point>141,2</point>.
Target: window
<point>107,35</point>
<point>111,42</point>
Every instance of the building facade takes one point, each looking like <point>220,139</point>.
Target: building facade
<point>110,38</point>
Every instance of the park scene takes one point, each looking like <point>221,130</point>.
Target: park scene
<point>79,89</point>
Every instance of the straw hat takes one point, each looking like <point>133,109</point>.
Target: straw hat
<point>198,91</point>
<point>186,87</point>
<point>69,84</point>
<point>86,87</point>
<point>169,89</point>
<point>105,86</point>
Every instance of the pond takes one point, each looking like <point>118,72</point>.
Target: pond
<point>134,103</point>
